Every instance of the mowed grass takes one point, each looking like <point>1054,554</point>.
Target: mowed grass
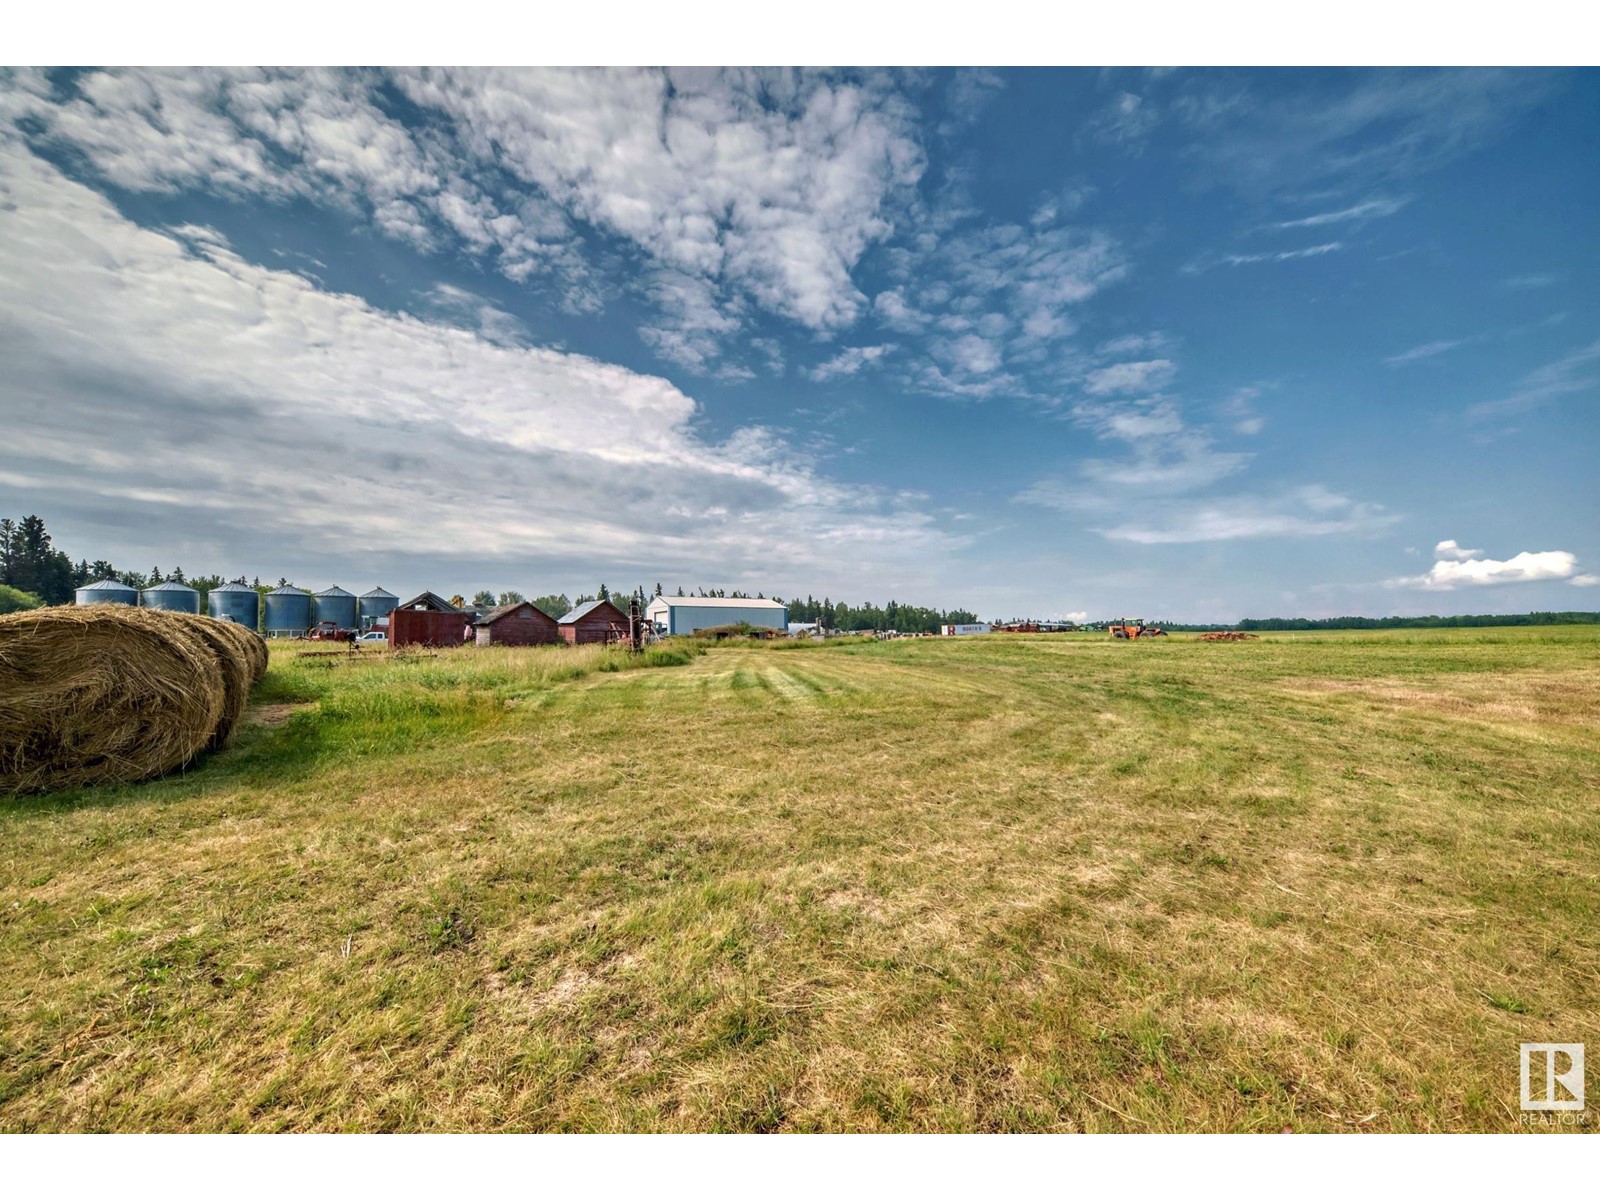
<point>1328,882</point>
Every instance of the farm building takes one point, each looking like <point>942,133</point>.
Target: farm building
<point>596,621</point>
<point>686,614</point>
<point>520,624</point>
<point>427,620</point>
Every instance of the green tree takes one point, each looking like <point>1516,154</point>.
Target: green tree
<point>553,606</point>
<point>16,600</point>
<point>483,599</point>
<point>28,561</point>
<point>511,597</point>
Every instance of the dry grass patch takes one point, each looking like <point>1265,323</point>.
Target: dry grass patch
<point>969,884</point>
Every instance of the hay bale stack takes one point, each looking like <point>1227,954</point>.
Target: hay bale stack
<point>107,694</point>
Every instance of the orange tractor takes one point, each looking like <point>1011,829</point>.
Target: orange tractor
<point>1134,627</point>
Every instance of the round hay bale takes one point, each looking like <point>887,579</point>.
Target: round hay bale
<point>251,645</point>
<point>234,660</point>
<point>102,694</point>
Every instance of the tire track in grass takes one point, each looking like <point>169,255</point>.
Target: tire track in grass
<point>785,685</point>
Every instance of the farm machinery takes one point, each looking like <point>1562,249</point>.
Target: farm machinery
<point>329,631</point>
<point>1134,627</point>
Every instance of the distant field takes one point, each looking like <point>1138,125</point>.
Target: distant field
<point>1324,881</point>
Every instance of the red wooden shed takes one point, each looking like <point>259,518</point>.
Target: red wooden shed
<point>427,620</point>
<point>596,621</point>
<point>521,624</point>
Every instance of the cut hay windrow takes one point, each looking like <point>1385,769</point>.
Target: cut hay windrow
<point>111,694</point>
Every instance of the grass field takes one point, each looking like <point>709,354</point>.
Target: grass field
<point>1328,882</point>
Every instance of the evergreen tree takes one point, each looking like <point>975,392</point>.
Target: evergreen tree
<point>8,548</point>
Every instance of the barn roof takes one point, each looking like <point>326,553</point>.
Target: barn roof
<point>431,602</point>
<point>504,610</point>
<point>583,610</point>
<point>716,602</point>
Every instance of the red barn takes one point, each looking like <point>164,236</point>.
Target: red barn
<point>596,621</point>
<point>427,620</point>
<point>520,624</point>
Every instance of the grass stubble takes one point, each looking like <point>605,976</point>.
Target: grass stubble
<point>1322,882</point>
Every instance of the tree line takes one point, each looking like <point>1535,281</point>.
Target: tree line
<point>34,572</point>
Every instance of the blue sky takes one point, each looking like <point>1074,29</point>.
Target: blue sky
<point>1200,344</point>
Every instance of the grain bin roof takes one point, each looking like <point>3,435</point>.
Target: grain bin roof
<point>106,585</point>
<point>233,587</point>
<point>716,602</point>
<point>378,593</point>
<point>171,585</point>
<point>336,591</point>
<point>287,591</point>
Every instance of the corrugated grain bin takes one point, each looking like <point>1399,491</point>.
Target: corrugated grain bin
<point>288,612</point>
<point>336,605</point>
<point>171,597</point>
<point>107,591</point>
<point>236,602</point>
<point>375,606</point>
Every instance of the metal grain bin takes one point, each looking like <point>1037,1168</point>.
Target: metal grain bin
<point>375,606</point>
<point>235,602</point>
<point>171,596</point>
<point>107,591</point>
<point>288,612</point>
<point>336,605</point>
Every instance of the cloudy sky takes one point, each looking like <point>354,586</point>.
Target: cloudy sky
<point>1197,344</point>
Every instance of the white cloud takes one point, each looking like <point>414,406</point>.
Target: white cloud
<point>1526,282</point>
<point>1001,295</point>
<point>1527,567</point>
<point>1236,260</point>
<point>1239,409</point>
<point>1418,353</point>
<point>1584,580</point>
<point>1378,206</point>
<point>770,182</point>
<point>1133,343</point>
<point>1124,121</point>
<point>1565,376</point>
<point>1351,129</point>
<point>849,362</point>
<point>1449,549</point>
<point>1165,458</point>
<point>169,388</point>
<point>1304,512</point>
<point>764,187</point>
<point>1148,376</point>
<point>1209,260</point>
